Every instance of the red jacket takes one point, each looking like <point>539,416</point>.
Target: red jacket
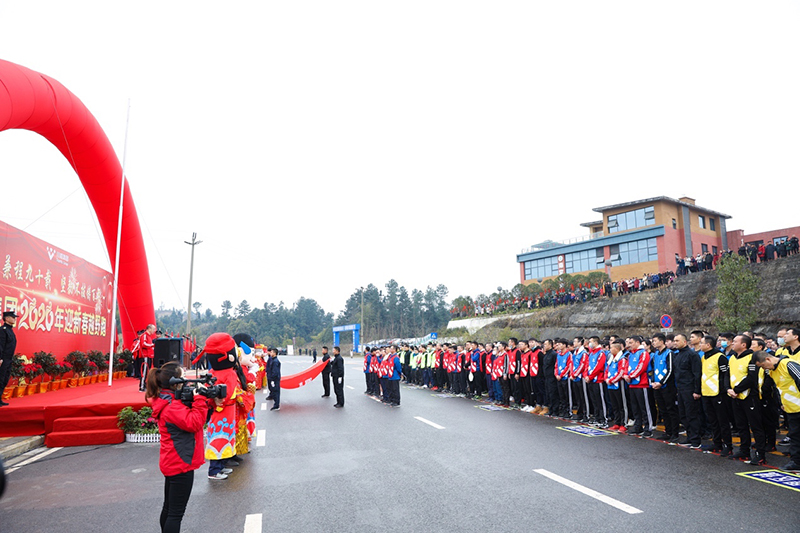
<point>181,430</point>
<point>146,346</point>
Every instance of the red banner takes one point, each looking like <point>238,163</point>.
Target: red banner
<point>63,302</point>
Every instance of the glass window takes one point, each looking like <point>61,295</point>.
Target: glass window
<point>704,247</point>
<point>712,224</point>
<point>674,224</point>
<point>701,221</point>
<point>638,218</point>
<point>628,253</point>
<point>714,250</point>
<point>778,240</point>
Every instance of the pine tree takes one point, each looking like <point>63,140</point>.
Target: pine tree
<point>737,295</point>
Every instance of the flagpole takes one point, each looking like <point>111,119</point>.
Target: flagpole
<point>116,256</point>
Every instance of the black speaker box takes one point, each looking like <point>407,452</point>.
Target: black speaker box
<point>166,350</point>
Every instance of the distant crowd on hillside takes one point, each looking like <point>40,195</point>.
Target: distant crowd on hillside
<point>584,292</point>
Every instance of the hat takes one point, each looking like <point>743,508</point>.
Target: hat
<point>9,313</point>
<point>217,343</point>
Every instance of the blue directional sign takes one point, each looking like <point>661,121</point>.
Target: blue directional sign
<point>666,321</point>
<point>775,477</point>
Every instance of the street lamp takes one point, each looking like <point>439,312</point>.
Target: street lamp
<point>194,243</point>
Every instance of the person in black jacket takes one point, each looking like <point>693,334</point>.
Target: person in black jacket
<point>337,373</point>
<point>548,363</point>
<point>744,393</point>
<point>8,345</point>
<point>326,373</point>
<point>274,378</point>
<point>688,370</point>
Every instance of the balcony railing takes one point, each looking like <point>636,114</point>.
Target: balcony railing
<point>555,244</point>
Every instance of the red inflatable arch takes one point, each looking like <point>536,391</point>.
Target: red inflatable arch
<point>35,102</point>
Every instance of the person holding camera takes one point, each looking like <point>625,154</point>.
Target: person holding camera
<point>180,424</point>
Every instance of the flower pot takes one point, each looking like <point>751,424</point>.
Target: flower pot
<point>82,381</point>
<point>62,383</point>
<point>73,382</point>
<point>95,378</point>
<point>31,389</point>
<point>7,393</point>
<point>44,386</point>
<point>142,437</point>
<point>19,391</point>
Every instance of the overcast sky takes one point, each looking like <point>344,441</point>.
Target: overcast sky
<point>318,146</point>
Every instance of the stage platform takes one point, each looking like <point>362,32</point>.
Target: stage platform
<point>36,414</point>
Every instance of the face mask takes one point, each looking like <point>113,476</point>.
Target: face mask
<point>724,344</point>
<point>781,341</point>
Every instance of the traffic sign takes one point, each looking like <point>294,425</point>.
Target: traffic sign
<point>666,321</point>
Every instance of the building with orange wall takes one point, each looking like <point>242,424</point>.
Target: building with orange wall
<point>631,239</point>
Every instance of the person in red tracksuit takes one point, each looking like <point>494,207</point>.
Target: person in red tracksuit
<point>181,429</point>
<point>524,365</point>
<point>639,383</point>
<point>593,377</point>
<point>146,353</point>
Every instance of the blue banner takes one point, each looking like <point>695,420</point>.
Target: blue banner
<point>587,431</point>
<point>775,477</point>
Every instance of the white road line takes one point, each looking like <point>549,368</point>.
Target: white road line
<point>264,406</point>
<point>32,459</point>
<point>432,424</point>
<point>349,387</point>
<point>589,492</point>
<point>252,523</point>
<point>261,438</point>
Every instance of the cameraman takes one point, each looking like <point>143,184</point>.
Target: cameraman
<point>181,429</point>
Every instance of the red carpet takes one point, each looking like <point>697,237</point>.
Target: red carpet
<point>37,414</point>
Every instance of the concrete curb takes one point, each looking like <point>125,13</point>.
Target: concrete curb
<point>18,445</point>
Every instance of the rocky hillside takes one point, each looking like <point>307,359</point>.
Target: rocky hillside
<point>690,301</point>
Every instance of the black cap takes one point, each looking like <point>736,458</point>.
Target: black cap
<point>9,313</point>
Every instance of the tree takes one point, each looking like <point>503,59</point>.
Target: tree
<point>226,308</point>
<point>737,295</point>
<point>243,309</point>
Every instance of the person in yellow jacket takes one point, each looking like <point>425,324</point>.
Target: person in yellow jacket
<point>745,392</point>
<point>791,344</point>
<point>714,385</point>
<point>785,372</point>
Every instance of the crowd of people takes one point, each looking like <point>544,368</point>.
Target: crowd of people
<point>700,386</point>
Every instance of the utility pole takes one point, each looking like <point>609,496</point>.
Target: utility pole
<point>364,333</point>
<point>194,243</point>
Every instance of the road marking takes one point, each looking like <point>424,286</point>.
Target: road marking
<point>587,431</point>
<point>349,387</point>
<point>261,439</point>
<point>32,459</point>
<point>589,492</point>
<point>264,406</point>
<point>786,480</point>
<point>252,523</point>
<point>432,424</point>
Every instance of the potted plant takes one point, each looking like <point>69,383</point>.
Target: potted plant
<point>100,361</point>
<point>139,426</point>
<point>121,362</point>
<point>49,365</point>
<point>30,371</point>
<point>79,362</point>
<point>72,381</point>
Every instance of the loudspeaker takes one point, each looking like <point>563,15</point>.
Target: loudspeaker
<point>166,350</point>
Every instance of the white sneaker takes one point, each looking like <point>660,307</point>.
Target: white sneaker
<point>227,470</point>
<point>218,476</point>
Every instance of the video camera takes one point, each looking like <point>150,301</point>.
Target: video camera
<point>186,393</point>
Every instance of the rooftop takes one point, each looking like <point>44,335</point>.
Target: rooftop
<point>689,203</point>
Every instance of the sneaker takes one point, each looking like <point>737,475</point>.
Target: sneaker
<point>664,436</point>
<point>675,440</point>
<point>791,466</point>
<point>710,448</point>
<point>227,470</point>
<point>636,431</point>
<point>219,475</point>
<point>545,411</point>
<point>726,451</point>
<point>695,447</point>
<point>785,442</point>
<point>647,433</point>
<point>275,409</point>
<point>231,462</point>
<point>741,455</point>
<point>757,459</point>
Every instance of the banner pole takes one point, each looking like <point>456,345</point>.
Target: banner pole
<point>116,255</point>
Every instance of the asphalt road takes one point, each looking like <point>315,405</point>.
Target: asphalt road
<point>369,467</point>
